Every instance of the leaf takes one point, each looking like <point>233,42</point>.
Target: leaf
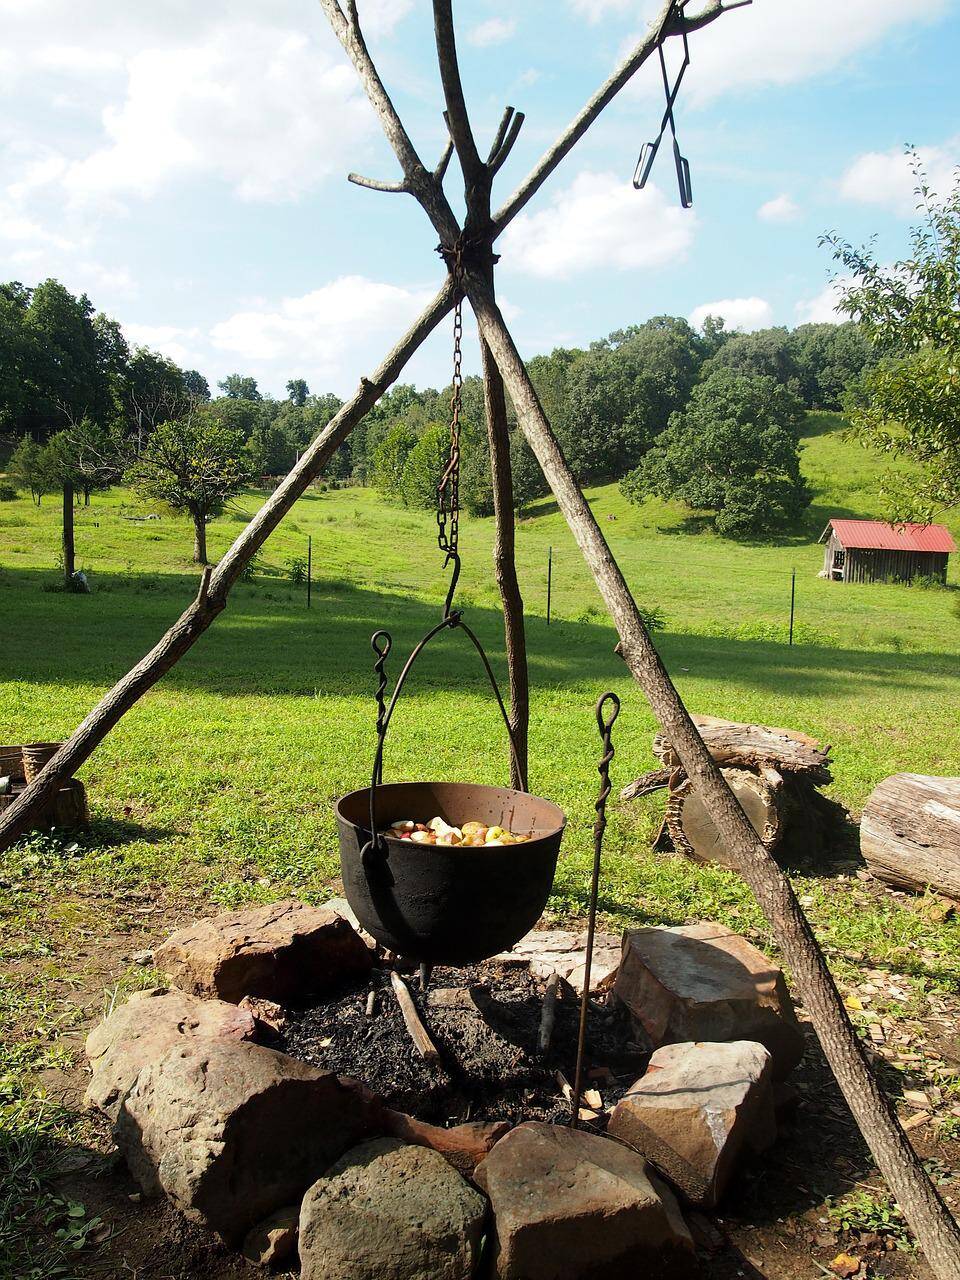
<point>845,1265</point>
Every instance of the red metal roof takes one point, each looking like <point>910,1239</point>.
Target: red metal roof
<point>893,537</point>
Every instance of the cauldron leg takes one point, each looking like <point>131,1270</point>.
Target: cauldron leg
<point>425,972</point>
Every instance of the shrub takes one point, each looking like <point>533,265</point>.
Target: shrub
<point>7,492</point>
<point>297,570</point>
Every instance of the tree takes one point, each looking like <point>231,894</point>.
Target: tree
<point>829,358</point>
<point>236,386</point>
<point>766,353</point>
<point>528,480</point>
<point>390,458</point>
<point>297,391</point>
<point>195,464</point>
<point>76,460</point>
<point>152,389</point>
<point>71,361</point>
<point>734,451</point>
<point>196,385</point>
<point>425,465</point>
<point>907,405</point>
<point>270,449</point>
<point>620,394</point>
<point>26,467</point>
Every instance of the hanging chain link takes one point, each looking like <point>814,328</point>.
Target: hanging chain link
<point>448,490</point>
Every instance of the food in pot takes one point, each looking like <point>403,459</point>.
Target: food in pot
<point>471,834</point>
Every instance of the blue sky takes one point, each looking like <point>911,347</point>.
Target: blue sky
<point>185,164</point>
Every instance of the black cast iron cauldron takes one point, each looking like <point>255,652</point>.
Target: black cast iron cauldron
<point>442,904</point>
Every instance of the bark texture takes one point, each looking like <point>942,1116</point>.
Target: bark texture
<point>910,832</point>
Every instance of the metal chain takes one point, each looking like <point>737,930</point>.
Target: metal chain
<point>448,490</point>
<point>599,827</point>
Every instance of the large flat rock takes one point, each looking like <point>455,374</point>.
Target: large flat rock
<point>283,951</point>
<point>386,1211</point>
<point>569,1205</point>
<point>146,1028</point>
<point>561,951</point>
<point>696,1111</point>
<point>233,1132</point>
<point>704,982</point>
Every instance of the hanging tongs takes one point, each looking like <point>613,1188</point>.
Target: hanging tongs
<point>650,149</point>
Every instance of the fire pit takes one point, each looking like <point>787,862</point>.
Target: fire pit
<point>442,904</point>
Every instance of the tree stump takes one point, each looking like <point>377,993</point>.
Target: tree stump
<point>67,807</point>
<point>910,833</point>
<point>774,773</point>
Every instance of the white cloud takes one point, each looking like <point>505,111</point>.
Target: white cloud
<point>823,308</point>
<point>779,209</point>
<point>181,345</point>
<point>781,42</point>
<point>260,108</point>
<point>745,314</point>
<point>493,31</point>
<point>599,221</point>
<point>596,10</point>
<point>318,329</point>
<point>885,177</point>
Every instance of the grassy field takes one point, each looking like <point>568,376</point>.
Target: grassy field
<point>218,786</point>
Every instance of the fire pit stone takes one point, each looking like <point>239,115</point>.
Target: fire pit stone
<point>149,1025</point>
<point>574,1204</point>
<point>281,951</point>
<point>386,1209</point>
<point>696,1109</point>
<point>705,982</point>
<point>231,1132</point>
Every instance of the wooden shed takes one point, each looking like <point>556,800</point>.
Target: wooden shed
<point>872,551</point>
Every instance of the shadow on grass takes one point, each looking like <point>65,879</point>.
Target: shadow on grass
<point>266,642</point>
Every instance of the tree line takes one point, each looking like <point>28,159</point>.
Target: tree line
<point>706,416</point>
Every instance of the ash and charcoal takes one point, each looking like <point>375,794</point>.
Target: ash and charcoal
<point>485,1021</point>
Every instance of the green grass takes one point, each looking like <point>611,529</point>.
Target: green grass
<point>220,782</point>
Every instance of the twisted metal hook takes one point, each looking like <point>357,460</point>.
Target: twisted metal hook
<point>605,724</point>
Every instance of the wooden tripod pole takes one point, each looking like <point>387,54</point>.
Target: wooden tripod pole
<point>922,1204</point>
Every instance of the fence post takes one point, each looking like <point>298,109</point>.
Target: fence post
<point>309,566</point>
<point>549,580</point>
<point>793,597</point>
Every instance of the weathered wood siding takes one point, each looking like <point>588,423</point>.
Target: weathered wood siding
<point>869,564</point>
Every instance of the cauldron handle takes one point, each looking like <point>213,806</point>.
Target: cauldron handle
<point>376,843</point>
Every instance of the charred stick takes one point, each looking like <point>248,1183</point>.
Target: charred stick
<point>414,1024</point>
<point>549,1014</point>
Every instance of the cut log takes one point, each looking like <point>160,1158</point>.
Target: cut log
<point>910,832</point>
<point>754,746</point>
<point>693,832</point>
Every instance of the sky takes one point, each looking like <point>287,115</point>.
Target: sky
<point>185,166</point>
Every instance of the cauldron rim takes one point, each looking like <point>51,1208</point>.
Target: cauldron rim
<point>551,832</point>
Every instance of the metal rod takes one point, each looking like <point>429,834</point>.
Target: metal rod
<point>605,726</point>
<point>549,580</point>
<point>793,597</point>
<point>309,566</point>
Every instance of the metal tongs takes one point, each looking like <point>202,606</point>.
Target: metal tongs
<point>650,149</point>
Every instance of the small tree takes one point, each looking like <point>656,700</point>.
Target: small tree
<point>78,460</point>
<point>26,467</point>
<point>425,465</point>
<point>908,405</point>
<point>194,464</point>
<point>238,386</point>
<point>389,459</point>
<point>297,392</point>
<point>734,451</point>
